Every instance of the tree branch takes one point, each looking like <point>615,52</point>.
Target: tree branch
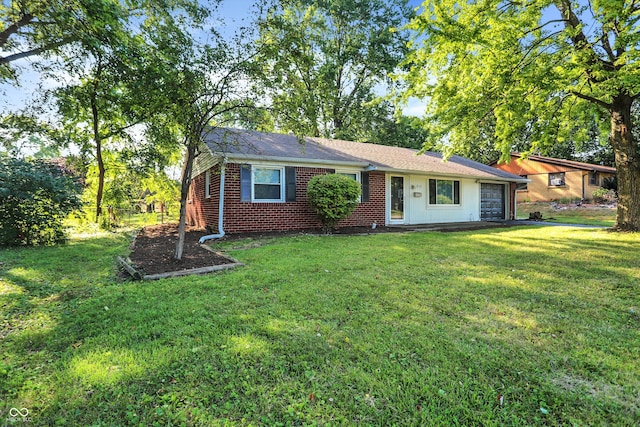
<point>36,51</point>
<point>607,47</point>
<point>13,28</point>
<point>579,39</point>
<point>591,99</point>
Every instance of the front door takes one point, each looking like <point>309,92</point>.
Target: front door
<point>397,199</point>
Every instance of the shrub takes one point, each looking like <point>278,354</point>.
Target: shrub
<point>333,197</point>
<point>603,195</point>
<point>35,197</point>
<point>611,183</point>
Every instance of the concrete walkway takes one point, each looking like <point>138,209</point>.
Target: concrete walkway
<point>481,225</point>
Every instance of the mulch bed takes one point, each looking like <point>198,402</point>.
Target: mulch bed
<point>153,248</point>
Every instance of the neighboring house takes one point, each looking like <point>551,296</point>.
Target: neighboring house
<point>555,179</point>
<point>263,180</point>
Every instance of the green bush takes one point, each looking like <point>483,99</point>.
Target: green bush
<point>603,195</point>
<point>35,198</point>
<point>333,197</point>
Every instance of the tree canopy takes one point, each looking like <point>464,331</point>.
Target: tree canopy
<point>323,59</point>
<point>40,28</point>
<point>494,70</point>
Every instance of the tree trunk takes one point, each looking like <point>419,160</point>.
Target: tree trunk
<point>627,156</point>
<point>98,142</point>
<point>187,167</point>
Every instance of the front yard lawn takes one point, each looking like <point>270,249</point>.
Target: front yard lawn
<point>600,215</point>
<point>518,326</point>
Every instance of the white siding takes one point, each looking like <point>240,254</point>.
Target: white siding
<point>419,211</point>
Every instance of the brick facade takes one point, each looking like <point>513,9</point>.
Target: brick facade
<point>268,216</point>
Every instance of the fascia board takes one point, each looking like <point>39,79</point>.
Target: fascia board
<point>451,175</point>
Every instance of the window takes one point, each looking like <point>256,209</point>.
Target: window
<point>267,184</point>
<point>207,184</point>
<point>556,179</point>
<point>356,177</point>
<point>522,186</point>
<point>353,175</point>
<point>444,192</point>
<point>594,179</point>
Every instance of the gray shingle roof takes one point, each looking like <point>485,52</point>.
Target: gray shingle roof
<point>246,145</point>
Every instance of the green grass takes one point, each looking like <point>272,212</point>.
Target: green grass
<point>405,329</point>
<point>569,214</point>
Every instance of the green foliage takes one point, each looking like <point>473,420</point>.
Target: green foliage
<point>602,195</point>
<point>35,198</point>
<point>333,197</point>
<point>497,72</point>
<point>43,28</point>
<point>610,183</point>
<point>322,59</point>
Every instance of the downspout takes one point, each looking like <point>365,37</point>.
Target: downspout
<point>220,207</point>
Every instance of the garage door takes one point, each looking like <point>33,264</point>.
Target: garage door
<point>491,202</point>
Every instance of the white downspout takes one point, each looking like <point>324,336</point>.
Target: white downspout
<point>220,208</point>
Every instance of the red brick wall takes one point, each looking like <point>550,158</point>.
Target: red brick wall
<point>247,216</point>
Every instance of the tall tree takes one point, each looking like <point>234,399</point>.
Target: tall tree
<point>495,69</point>
<point>107,99</point>
<point>96,105</point>
<point>323,59</point>
<point>198,88</point>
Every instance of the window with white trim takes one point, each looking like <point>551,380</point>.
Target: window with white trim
<point>353,175</point>
<point>444,192</point>
<point>207,184</point>
<point>267,184</point>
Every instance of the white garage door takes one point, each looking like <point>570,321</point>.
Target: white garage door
<point>492,202</point>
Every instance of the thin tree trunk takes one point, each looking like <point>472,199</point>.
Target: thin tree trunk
<point>98,142</point>
<point>187,167</point>
<point>627,157</point>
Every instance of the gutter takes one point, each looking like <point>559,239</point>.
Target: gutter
<point>220,207</point>
<point>297,160</point>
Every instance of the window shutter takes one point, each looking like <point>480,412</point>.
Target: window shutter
<point>364,180</point>
<point>456,192</point>
<point>245,183</point>
<point>432,192</point>
<point>290,179</point>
